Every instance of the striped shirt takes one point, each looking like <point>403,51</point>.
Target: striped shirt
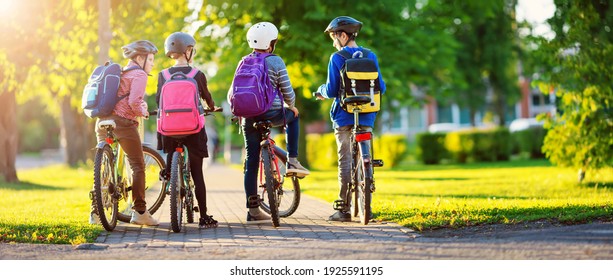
<point>277,72</point>
<point>133,84</point>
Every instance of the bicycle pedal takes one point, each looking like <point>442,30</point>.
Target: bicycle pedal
<point>377,162</point>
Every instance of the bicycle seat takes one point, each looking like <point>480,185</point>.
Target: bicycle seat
<point>106,123</point>
<point>357,100</point>
<point>265,124</point>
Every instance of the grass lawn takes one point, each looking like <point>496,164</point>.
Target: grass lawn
<point>50,205</point>
<point>429,197</point>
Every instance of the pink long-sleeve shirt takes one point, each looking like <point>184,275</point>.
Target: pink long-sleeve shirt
<point>133,83</point>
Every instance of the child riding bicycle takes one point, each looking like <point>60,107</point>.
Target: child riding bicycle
<point>343,31</point>
<point>125,114</point>
<point>262,38</point>
<point>181,47</point>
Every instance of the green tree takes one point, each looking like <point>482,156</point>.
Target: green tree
<point>18,45</point>
<point>577,64</point>
<point>73,41</point>
<point>410,49</point>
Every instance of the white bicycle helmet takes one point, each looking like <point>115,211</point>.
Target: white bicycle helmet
<point>261,34</point>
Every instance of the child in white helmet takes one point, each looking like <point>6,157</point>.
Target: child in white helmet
<point>262,38</point>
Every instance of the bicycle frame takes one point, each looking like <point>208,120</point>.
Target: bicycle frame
<point>269,144</point>
<point>119,163</point>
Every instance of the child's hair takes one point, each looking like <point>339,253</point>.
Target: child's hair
<point>175,55</point>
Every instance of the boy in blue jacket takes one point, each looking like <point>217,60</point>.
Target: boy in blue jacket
<point>342,31</point>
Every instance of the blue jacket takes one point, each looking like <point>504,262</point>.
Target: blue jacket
<point>332,87</point>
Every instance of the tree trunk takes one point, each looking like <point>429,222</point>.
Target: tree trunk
<point>76,134</point>
<point>104,30</point>
<point>8,137</point>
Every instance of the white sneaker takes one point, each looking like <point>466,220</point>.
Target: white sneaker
<point>294,167</point>
<point>94,219</point>
<point>144,219</point>
<point>256,216</point>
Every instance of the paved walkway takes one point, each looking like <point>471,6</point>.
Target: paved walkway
<point>226,203</point>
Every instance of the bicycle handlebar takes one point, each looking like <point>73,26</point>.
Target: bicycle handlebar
<point>206,111</point>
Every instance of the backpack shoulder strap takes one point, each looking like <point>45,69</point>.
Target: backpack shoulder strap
<point>344,53</point>
<point>365,52</point>
<point>166,74</point>
<point>192,73</point>
<point>134,67</point>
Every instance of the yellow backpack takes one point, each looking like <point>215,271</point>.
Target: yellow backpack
<point>360,76</point>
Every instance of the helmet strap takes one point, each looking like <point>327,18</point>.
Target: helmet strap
<point>191,53</point>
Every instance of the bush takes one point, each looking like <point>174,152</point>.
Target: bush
<point>321,151</point>
<point>529,142</point>
<point>479,145</point>
<point>431,147</point>
<point>38,130</point>
<point>391,148</point>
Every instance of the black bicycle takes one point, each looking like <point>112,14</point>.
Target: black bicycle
<point>281,188</point>
<point>362,163</point>
<point>181,186</point>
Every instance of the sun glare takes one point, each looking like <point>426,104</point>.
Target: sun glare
<point>7,9</point>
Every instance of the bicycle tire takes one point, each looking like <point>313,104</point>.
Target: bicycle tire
<point>352,197</point>
<point>104,198</point>
<point>176,203</point>
<point>288,194</point>
<point>270,186</point>
<point>363,192</point>
<point>189,191</point>
<point>155,191</point>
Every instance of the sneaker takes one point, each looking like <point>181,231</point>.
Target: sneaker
<point>294,167</point>
<point>145,219</point>
<point>94,219</point>
<point>256,216</point>
<point>207,222</point>
<point>340,216</point>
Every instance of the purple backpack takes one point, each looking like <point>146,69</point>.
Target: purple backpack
<point>252,93</point>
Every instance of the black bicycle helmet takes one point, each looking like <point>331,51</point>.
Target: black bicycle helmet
<point>178,42</point>
<point>346,24</point>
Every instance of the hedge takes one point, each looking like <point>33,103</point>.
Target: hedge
<point>431,147</point>
<point>529,142</point>
<point>322,150</point>
<point>391,148</point>
<point>479,145</point>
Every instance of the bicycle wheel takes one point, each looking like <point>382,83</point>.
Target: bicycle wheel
<point>270,186</point>
<point>364,175</point>
<point>288,194</point>
<point>105,198</point>
<point>176,184</point>
<point>155,191</point>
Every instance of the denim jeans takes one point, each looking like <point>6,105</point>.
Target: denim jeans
<point>343,143</point>
<point>252,143</point>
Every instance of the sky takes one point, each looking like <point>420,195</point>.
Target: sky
<point>536,12</point>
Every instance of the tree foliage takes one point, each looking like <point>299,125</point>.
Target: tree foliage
<point>577,64</point>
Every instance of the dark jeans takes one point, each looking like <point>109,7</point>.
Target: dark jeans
<point>252,143</point>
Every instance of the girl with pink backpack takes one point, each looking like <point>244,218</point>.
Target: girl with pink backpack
<point>180,89</point>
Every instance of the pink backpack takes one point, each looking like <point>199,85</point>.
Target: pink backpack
<point>181,113</point>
